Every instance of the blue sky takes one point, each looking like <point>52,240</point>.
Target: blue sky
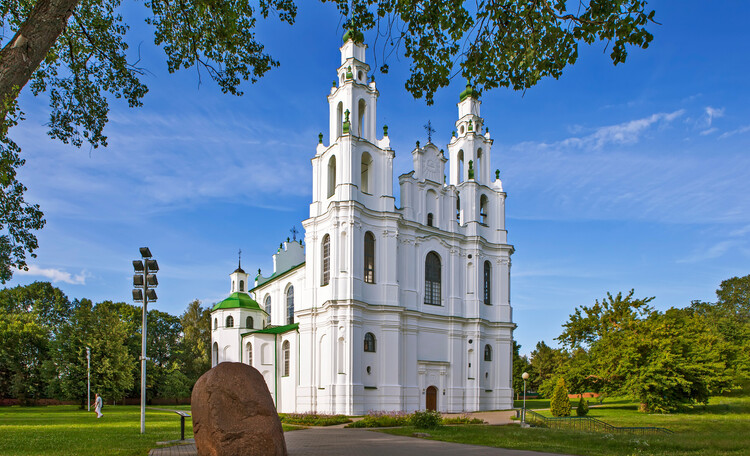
<point>634,176</point>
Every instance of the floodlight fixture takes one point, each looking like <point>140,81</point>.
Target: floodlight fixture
<point>152,281</point>
<point>138,295</point>
<point>151,295</point>
<point>152,265</point>
<point>138,280</point>
<point>138,265</point>
<point>145,252</point>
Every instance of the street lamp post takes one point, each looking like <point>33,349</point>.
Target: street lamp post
<point>88,379</point>
<point>144,282</point>
<point>525,377</point>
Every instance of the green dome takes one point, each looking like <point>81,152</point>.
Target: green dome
<point>237,300</point>
<point>469,92</point>
<point>355,35</point>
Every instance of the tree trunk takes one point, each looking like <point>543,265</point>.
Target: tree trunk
<point>23,54</point>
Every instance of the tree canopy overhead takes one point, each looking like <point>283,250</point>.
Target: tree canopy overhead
<point>76,52</point>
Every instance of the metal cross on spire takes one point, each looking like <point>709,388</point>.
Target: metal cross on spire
<point>294,233</point>
<point>429,130</point>
<point>239,259</point>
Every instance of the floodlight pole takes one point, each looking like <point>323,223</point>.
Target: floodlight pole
<point>88,379</point>
<point>143,347</point>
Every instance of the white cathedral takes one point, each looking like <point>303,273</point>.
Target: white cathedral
<point>384,308</point>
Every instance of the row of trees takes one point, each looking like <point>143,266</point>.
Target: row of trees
<point>623,346</point>
<point>44,336</point>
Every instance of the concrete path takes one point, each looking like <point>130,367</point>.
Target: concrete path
<point>360,442</point>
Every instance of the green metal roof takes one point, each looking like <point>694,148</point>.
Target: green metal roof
<point>274,276</point>
<point>237,300</point>
<point>275,329</point>
<point>469,92</point>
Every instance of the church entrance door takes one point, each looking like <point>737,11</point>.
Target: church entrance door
<point>431,398</point>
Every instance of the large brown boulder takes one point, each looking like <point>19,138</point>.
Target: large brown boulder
<point>234,415</point>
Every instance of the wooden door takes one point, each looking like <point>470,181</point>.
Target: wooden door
<point>431,403</point>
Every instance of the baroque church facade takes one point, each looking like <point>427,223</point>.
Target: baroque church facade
<point>384,307</point>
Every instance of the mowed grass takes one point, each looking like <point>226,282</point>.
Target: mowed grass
<point>721,428</point>
<point>67,430</point>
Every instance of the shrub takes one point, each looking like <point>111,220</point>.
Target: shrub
<point>560,404</point>
<point>583,407</point>
<point>425,419</point>
<point>381,419</point>
<point>312,419</point>
<point>463,419</point>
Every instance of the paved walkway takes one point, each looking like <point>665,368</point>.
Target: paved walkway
<point>337,441</point>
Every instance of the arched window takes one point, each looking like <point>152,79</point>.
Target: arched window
<point>216,323</point>
<point>432,280</point>
<point>340,115</point>
<point>267,306</point>
<point>483,210</point>
<point>487,282</point>
<point>249,352</point>
<point>458,209</point>
<point>285,354</point>
<point>230,321</point>
<point>242,285</point>
<point>460,166</point>
<point>430,218</point>
<point>325,254</point>
<point>249,322</point>
<point>215,356</point>
<point>331,176</point>
<point>290,305</point>
<point>365,172</point>
<point>479,163</point>
<point>487,353</point>
<point>361,109</point>
<point>369,257</point>
<point>370,342</point>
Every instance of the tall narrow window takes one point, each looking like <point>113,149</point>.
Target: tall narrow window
<point>487,282</point>
<point>242,285</point>
<point>365,172</point>
<point>331,176</point>
<point>487,352</point>
<point>249,323</point>
<point>460,166</point>
<point>369,257</point>
<point>230,321</point>
<point>326,257</point>
<point>285,354</point>
<point>430,220</point>
<point>370,342</point>
<point>249,350</point>
<point>362,109</point>
<point>215,354</point>
<point>478,169</point>
<point>216,323</point>
<point>340,115</point>
<point>290,305</point>
<point>432,279</point>
<point>458,209</point>
<point>483,209</point>
<point>267,306</point>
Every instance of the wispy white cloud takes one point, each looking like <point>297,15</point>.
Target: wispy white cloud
<point>737,131</point>
<point>629,132</point>
<point>711,114</point>
<point>715,251</point>
<point>55,275</point>
<point>708,131</point>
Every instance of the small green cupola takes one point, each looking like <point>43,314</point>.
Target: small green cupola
<point>469,91</point>
<point>354,35</point>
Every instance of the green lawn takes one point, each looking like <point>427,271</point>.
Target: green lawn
<point>66,430</point>
<point>722,428</point>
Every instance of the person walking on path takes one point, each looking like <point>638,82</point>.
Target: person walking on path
<point>98,406</point>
